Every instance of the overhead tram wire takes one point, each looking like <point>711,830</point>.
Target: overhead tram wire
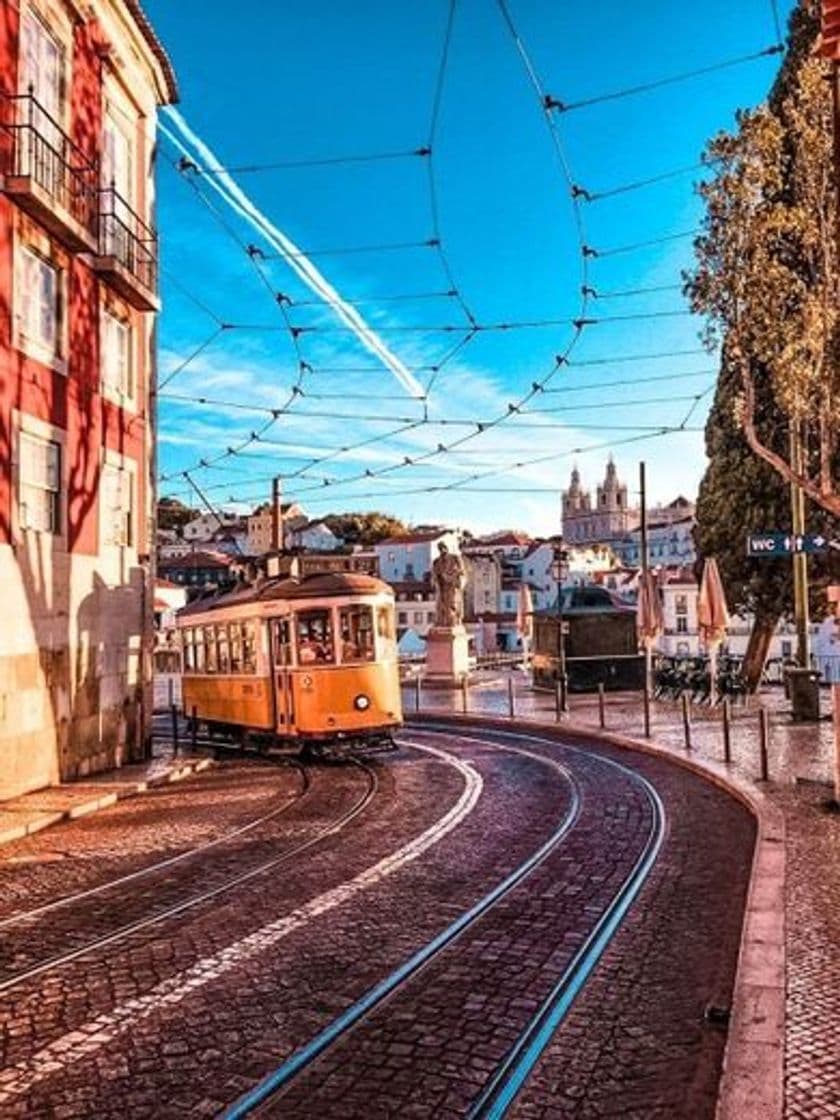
<point>559,106</point>
<point>317,161</point>
<point>578,325</point>
<point>635,245</point>
<point>640,184</point>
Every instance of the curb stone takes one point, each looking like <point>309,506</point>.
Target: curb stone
<point>42,816</point>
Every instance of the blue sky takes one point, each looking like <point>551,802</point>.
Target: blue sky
<point>318,79</point>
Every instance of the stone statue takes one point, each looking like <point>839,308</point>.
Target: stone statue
<point>448,577</point>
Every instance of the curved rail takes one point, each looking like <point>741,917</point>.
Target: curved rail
<point>509,1077</point>
<point>279,1078</point>
<point>160,865</point>
<point>179,908</point>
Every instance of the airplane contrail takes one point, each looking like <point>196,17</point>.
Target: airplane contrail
<point>226,186</point>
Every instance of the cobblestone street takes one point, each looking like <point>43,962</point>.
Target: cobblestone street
<point>200,958</point>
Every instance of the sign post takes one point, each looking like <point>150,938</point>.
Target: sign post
<point>834,599</point>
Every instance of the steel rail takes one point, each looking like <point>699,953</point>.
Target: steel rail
<point>514,1070</point>
<point>160,865</point>
<point>280,1077</point>
<point>510,1076</point>
<point>330,829</point>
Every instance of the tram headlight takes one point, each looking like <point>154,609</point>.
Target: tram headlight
<point>362,702</point>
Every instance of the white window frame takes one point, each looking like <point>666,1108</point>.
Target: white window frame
<point>29,427</point>
<point>53,101</point>
<point>110,321</point>
<point>125,471</point>
<point>50,353</point>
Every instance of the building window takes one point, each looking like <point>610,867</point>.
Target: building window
<point>682,624</point>
<point>38,305</point>
<point>117,380</point>
<point>116,505</point>
<point>402,618</point>
<point>42,72</point>
<point>681,604</point>
<point>418,618</point>
<point>40,484</point>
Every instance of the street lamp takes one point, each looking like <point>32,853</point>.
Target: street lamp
<point>559,570</point>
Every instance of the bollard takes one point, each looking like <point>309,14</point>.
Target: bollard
<point>727,730</point>
<point>686,720</point>
<point>602,706</point>
<point>558,700</point>
<point>646,710</point>
<point>464,704</point>
<point>194,728</point>
<point>763,742</point>
<point>171,689</point>
<point>417,693</point>
<point>511,700</point>
<point>174,712</point>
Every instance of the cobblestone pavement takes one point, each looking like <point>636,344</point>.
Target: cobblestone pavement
<point>800,768</point>
<point>635,1046</point>
<point>180,1020</point>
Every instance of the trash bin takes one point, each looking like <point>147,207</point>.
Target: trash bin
<point>804,692</point>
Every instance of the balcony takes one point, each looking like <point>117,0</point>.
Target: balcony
<point>47,175</point>
<point>127,255</point>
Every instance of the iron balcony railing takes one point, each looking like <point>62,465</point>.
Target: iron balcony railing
<point>41,151</point>
<point>124,236</point>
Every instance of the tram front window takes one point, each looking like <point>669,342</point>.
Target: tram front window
<point>356,628</point>
<point>314,637</point>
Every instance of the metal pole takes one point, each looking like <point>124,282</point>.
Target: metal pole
<point>417,693</point>
<point>464,703</point>
<point>563,682</point>
<point>646,711</point>
<point>643,547</point>
<point>276,516</point>
<point>511,701</point>
<point>602,707</point>
<point>558,700</point>
<point>800,559</point>
<point>194,728</point>
<point>763,741</point>
<point>174,713</point>
<point>727,730</point>
<point>686,720</point>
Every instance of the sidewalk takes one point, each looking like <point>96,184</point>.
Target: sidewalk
<point>21,816</point>
<point>783,1057</point>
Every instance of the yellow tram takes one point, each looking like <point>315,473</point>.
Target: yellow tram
<point>311,659</point>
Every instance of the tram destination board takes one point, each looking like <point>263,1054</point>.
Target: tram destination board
<point>787,544</point>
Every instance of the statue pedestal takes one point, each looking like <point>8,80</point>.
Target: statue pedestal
<point>447,657</point>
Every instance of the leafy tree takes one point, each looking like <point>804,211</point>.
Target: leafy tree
<point>364,528</point>
<point>766,274</point>
<point>172,514</point>
<point>741,494</point>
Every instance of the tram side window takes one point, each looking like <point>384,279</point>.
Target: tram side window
<point>314,637</point>
<point>385,632</point>
<point>210,659</point>
<point>198,649</point>
<point>223,649</point>
<point>189,649</point>
<point>235,647</point>
<point>249,648</point>
<point>356,626</point>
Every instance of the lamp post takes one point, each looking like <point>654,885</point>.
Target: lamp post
<point>558,570</point>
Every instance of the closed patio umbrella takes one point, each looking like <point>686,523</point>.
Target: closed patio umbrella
<point>650,621</point>
<point>712,616</point>
<point>525,617</point>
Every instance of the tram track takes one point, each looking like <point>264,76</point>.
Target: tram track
<point>36,912</point>
<point>20,977</point>
<point>513,1070</point>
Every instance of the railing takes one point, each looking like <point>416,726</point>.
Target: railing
<point>42,151</point>
<point>125,236</point>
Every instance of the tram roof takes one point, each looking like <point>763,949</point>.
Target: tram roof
<point>318,585</point>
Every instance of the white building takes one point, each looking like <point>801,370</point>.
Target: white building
<point>415,606</point>
<point>315,536</point>
<point>409,556</point>
<point>204,526</point>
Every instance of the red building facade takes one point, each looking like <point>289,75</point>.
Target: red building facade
<point>80,85</point>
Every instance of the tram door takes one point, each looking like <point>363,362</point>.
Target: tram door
<point>281,642</point>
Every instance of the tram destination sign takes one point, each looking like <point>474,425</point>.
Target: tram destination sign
<point>787,544</point>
